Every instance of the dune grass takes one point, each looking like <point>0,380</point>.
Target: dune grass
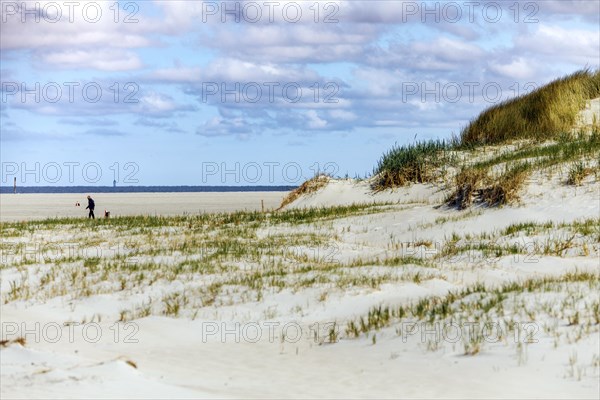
<point>414,163</point>
<point>494,180</point>
<point>541,115</point>
<point>477,182</point>
<point>541,125</point>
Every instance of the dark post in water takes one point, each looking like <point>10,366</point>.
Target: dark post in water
<point>15,185</point>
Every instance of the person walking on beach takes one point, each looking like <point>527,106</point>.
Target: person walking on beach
<point>91,206</point>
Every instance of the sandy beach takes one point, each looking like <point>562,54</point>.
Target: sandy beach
<point>21,207</point>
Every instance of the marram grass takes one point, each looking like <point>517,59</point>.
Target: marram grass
<point>543,114</point>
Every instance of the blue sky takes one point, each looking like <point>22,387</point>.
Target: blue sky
<point>180,93</point>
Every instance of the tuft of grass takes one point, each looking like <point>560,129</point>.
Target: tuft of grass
<point>577,173</point>
<point>333,334</point>
<point>542,114</point>
<point>467,182</point>
<point>472,344</point>
<point>414,163</point>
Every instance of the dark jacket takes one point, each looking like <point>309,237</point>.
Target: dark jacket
<point>91,204</point>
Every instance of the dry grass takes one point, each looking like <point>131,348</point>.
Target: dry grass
<point>19,340</point>
<point>468,182</point>
<point>475,185</point>
<point>310,186</point>
<point>506,189</point>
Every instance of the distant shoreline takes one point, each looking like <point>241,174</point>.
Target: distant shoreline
<point>142,189</point>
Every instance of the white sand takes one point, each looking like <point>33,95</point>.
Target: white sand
<point>35,206</point>
<point>590,115</point>
<point>349,191</point>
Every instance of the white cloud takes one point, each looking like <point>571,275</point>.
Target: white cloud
<point>449,50</point>
<point>343,115</point>
<point>296,43</point>
<point>587,9</point>
<point>378,51</point>
<point>569,45</point>
<point>228,69</point>
<point>438,54</point>
<point>314,121</point>
<point>154,103</point>
<point>519,68</point>
<point>219,126</point>
<point>76,39</point>
<point>103,59</point>
<point>177,74</point>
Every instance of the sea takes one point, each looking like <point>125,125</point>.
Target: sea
<point>143,189</point>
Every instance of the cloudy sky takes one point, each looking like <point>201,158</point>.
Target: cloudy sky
<point>261,92</point>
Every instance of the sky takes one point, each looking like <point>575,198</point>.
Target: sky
<point>261,92</point>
